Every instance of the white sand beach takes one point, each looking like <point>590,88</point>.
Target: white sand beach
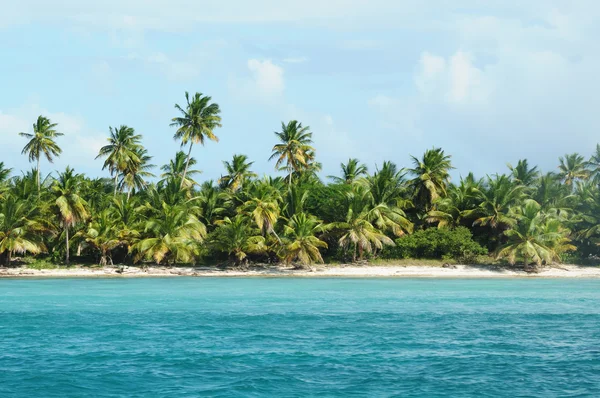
<point>361,271</point>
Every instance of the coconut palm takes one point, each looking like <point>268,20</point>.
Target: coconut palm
<point>196,124</point>
<point>263,206</point>
<point>42,142</point>
<point>4,173</point>
<point>431,177</point>
<point>71,207</point>
<point>238,238</point>
<point>532,238</point>
<point>594,165</point>
<point>238,171</point>
<point>300,240</point>
<point>496,199</point>
<point>357,231</point>
<point>172,234</point>
<point>351,171</point>
<point>463,198</point>
<point>121,151</point>
<point>573,168</point>
<point>176,167</point>
<point>20,231</point>
<point>294,153</point>
<point>137,171</point>
<point>103,235</point>
<point>523,174</point>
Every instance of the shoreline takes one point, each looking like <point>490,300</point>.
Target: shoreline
<point>337,271</point>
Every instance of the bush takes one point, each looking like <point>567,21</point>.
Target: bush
<point>457,244</point>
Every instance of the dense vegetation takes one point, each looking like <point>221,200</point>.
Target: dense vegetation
<point>135,216</point>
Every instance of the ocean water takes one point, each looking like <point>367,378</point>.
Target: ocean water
<point>251,337</point>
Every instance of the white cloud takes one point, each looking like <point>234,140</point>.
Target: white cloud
<point>456,80</point>
<point>265,82</point>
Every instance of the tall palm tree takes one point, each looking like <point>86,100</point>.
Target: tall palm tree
<point>573,168</point>
<point>71,207</point>
<point>300,240</point>
<point>432,177</point>
<point>238,171</point>
<point>176,167</point>
<point>294,153</point>
<point>351,171</point>
<point>120,152</point>
<point>523,174</point>
<point>196,123</point>
<point>20,229</point>
<point>463,198</point>
<point>42,142</point>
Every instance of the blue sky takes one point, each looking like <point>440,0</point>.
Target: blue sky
<point>490,82</point>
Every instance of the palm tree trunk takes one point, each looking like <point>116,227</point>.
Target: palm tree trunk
<point>8,257</point>
<point>187,164</point>
<point>38,176</point>
<point>67,256</point>
<point>116,182</point>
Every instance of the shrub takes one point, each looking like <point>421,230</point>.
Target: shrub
<point>456,244</point>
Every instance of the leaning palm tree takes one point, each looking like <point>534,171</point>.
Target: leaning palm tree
<point>120,151</point>
<point>196,124</point>
<point>573,168</point>
<point>431,177</point>
<point>41,142</point>
<point>300,240</point>
<point>351,171</point>
<point>238,171</point>
<point>294,153</point>
<point>20,229</point>
<point>71,207</point>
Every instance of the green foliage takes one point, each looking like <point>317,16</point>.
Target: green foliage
<point>433,243</point>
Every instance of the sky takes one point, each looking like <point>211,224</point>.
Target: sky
<point>490,81</point>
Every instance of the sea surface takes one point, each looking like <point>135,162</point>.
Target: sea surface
<point>251,337</point>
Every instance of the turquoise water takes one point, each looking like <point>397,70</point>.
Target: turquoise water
<point>299,337</point>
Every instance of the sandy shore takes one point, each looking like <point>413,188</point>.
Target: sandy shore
<point>362,271</point>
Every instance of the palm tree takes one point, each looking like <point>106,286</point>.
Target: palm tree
<point>173,233</point>
<point>20,231</point>
<point>431,177</point>
<point>496,200</point>
<point>300,241</point>
<point>41,142</point>
<point>176,167</point>
<point>524,175</point>
<point>451,210</point>
<point>294,153</point>
<point>4,173</point>
<point>533,238</point>
<point>351,171</point>
<point>196,123</point>
<point>136,171</point>
<point>238,239</point>
<point>238,171</point>
<point>103,235</point>
<point>121,151</point>
<point>573,168</point>
<point>263,207</point>
<point>594,165</point>
<point>71,207</point>
<point>358,232</point>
